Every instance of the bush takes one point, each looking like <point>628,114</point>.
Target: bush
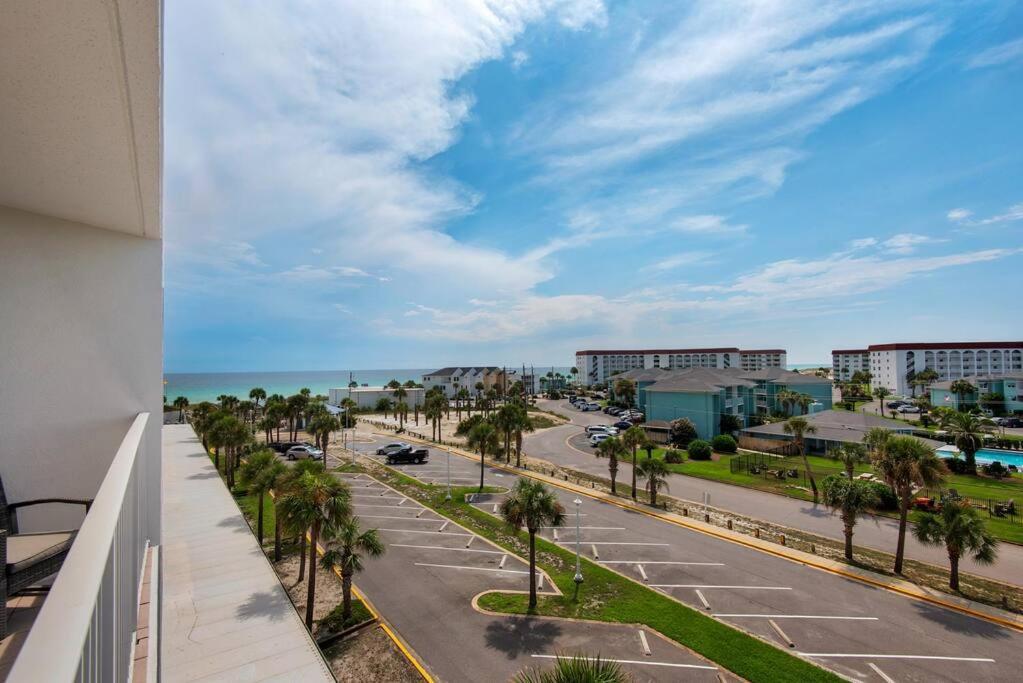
<point>884,493</point>
<point>956,465</point>
<point>722,443</point>
<point>673,457</point>
<point>682,432</point>
<point>996,470</point>
<point>699,450</point>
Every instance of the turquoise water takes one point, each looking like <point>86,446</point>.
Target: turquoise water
<point>989,455</point>
<point>206,386</point>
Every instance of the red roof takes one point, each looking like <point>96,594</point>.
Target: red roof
<point>946,345</point>
<point>762,351</point>
<point>841,352</point>
<point>640,352</point>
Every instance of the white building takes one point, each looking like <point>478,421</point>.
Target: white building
<point>847,362</point>
<point>454,379</point>
<point>596,367</point>
<point>368,397</point>
<point>759,359</point>
<point>893,365</point>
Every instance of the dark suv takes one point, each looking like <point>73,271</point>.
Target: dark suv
<point>408,454</point>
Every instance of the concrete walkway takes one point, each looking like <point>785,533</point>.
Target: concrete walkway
<point>225,616</point>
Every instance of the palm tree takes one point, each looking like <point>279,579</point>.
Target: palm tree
<point>461,397</point>
<point>259,475</point>
<point>534,506</point>
<point>612,448</point>
<point>577,668</point>
<point>276,411</point>
<point>433,409</point>
<point>321,427</point>
<point>266,425</point>
<point>904,463</point>
<point>804,401</point>
<point>968,431</point>
<point>504,420</point>
<point>881,393</point>
<point>316,502</point>
<point>483,438</point>
<point>962,388</point>
<point>522,424</point>
<point>960,529</point>
<point>850,454</point>
<point>876,440</point>
<point>284,483</point>
<point>180,403</point>
<point>216,435</point>
<point>401,410</point>
<point>236,435</point>
<point>799,427</point>
<point>348,546</point>
<point>656,472</point>
<point>850,498</point>
<point>787,398</point>
<point>257,394</point>
<point>633,438</point>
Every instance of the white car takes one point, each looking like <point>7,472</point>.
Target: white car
<point>596,429</point>
<point>908,409</point>
<point>589,407</point>
<point>299,452</point>
<point>597,438</point>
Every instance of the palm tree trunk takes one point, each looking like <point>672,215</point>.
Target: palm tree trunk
<point>482,467</point>
<point>518,449</point>
<point>311,594</point>
<point>259,520</point>
<point>634,452</point>
<point>532,569</point>
<point>809,475</point>
<point>613,469</point>
<point>653,493</point>
<point>346,594</point>
<point>216,458</point>
<point>507,446</point>
<point>953,571</point>
<point>848,537</point>
<point>277,535</point>
<point>301,556</point>
<point>900,547</point>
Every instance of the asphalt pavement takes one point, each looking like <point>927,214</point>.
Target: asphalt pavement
<point>562,446</point>
<point>860,631</point>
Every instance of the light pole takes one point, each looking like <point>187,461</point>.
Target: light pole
<point>448,453</point>
<point>578,578</point>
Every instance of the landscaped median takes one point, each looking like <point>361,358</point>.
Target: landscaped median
<point>611,597</point>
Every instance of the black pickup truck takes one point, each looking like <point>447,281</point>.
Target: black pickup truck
<point>408,454</point>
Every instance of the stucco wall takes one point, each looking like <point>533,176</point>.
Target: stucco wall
<point>81,319</point>
<point>703,408</point>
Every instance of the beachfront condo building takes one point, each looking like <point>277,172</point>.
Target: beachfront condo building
<point>453,379</point>
<point>894,365</point>
<point>847,362</point>
<point>598,366</point>
<point>706,395</point>
<point>369,397</point>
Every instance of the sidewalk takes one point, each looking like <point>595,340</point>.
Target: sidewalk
<point>225,616</point>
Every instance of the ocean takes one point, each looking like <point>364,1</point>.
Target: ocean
<point>206,386</point>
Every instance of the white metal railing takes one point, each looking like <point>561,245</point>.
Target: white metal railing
<point>84,631</point>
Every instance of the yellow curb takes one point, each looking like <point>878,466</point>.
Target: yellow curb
<point>405,650</point>
<point>897,586</point>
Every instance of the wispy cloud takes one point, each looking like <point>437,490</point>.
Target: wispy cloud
<point>684,259</point>
<point>965,217</point>
<point>907,242</point>
<point>997,55</point>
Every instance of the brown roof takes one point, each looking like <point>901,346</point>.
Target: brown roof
<point>945,345</point>
<point>841,352</point>
<point>762,351</point>
<point>840,425</point>
<point>639,352</point>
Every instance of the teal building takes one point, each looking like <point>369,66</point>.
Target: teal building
<point>1009,386</point>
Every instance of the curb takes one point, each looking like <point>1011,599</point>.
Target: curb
<point>898,586</point>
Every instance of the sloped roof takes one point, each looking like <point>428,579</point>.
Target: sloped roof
<point>700,379</point>
<point>642,374</point>
<point>840,425</point>
<point>452,370</point>
<point>783,376</point>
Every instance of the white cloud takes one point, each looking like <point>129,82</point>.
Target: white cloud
<point>309,273</point>
<point>519,59</point>
<point>863,243</point>
<point>997,55</point>
<point>965,217</point>
<point>579,14</point>
<point>906,242</point>
<point>707,224</point>
<point>678,260</point>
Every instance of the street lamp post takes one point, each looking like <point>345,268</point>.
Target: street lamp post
<point>448,453</point>
<point>578,578</point>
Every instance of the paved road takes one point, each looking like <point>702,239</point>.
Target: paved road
<point>846,625</point>
<point>557,446</point>
<point>425,582</point>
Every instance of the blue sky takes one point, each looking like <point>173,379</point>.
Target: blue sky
<point>398,184</point>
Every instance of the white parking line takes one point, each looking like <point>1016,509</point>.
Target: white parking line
<point>595,555</point>
<point>503,560</point>
<point>402,501</point>
<point>478,569</point>
<point>604,528</point>
<point>369,505</point>
<point>420,513</point>
<point>566,540</point>
<point>440,547</point>
<point>823,655</point>
<point>781,634</point>
<point>642,642</point>
<point>410,519</point>
<point>703,599</point>
<point>794,616</point>
<point>366,495</point>
<point>884,677</point>
<point>443,526</point>
<point>469,542</point>
<point>639,661</point>
<point>642,572</point>
<point>690,564</point>
<point>701,585</point>
<point>416,531</point>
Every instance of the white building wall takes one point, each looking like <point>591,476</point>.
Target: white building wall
<point>367,397</point>
<point>81,353</point>
<point>951,362</point>
<point>844,365</point>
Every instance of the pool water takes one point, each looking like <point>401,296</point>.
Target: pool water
<point>988,455</point>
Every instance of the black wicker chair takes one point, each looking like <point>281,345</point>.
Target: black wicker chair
<point>29,558</point>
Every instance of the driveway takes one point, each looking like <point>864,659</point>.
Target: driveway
<point>861,631</point>
<point>556,445</point>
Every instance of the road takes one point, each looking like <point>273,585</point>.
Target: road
<point>554,445</point>
<point>858,630</point>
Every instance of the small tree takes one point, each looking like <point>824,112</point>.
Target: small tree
<point>612,449</point>
<point>259,475</point>
<point>533,506</point>
<point>633,438</point>
<point>961,530</point>
<point>576,669</point>
<point>348,545</point>
<point>963,390</point>
<point>625,391</point>
<point>180,404</point>
<point>699,450</point>
<point>850,498</point>
<point>968,431</point>
<point>483,439</point>
<point>656,473</point>
<point>682,431</point>
<point>729,424</point>
<point>850,455</point>
<point>799,427</point>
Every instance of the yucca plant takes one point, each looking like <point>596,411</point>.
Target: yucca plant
<point>576,669</point>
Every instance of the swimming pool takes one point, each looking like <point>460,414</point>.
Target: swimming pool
<point>989,455</point>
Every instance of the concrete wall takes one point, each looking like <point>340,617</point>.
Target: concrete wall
<point>81,321</point>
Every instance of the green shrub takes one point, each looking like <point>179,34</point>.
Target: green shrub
<point>884,493</point>
<point>682,432</point>
<point>699,450</point>
<point>673,457</point>
<point>722,443</point>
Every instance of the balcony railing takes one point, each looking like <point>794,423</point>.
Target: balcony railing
<point>85,629</point>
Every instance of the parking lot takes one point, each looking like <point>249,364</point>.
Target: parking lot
<point>859,631</point>
<point>425,582</point>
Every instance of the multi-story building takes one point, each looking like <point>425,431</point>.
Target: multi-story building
<point>596,367</point>
<point>368,397</point>
<point>758,359</point>
<point>847,362</point>
<point>454,379</point>
<point>1009,386</point>
<point>894,365</point>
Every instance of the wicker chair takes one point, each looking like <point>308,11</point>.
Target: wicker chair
<point>28,558</point>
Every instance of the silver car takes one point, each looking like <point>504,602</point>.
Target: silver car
<point>299,452</point>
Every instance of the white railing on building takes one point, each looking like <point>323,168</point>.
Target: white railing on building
<point>85,629</point>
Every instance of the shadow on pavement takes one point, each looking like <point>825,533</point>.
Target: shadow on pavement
<point>518,635</point>
<point>264,605</point>
<point>960,623</point>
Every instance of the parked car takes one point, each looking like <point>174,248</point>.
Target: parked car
<point>1014,422</point>
<point>590,407</point>
<point>408,454</point>
<point>608,409</point>
<point>623,424</point>
<point>892,405</point>
<point>391,447</point>
<point>596,429</point>
<point>303,451</point>
<point>597,438</point>
<point>906,408</point>
<point>616,411</point>
<point>634,416</point>
<point>283,447</point>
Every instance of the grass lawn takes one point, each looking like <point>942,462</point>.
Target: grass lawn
<point>610,597</point>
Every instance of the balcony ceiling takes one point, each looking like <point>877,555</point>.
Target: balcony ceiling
<point>80,130</point>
